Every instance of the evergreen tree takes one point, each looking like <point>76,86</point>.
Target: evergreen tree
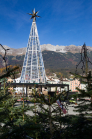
<point>48,115</point>
<point>80,125</point>
<point>14,123</point>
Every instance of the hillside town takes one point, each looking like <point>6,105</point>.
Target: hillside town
<point>73,83</point>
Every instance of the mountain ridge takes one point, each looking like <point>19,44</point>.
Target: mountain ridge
<point>47,47</point>
<point>53,61</point>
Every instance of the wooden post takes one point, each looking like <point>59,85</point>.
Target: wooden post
<point>23,108</point>
<point>26,90</point>
<point>23,102</point>
<point>41,88</point>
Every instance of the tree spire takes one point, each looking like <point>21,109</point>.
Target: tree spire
<point>34,15</point>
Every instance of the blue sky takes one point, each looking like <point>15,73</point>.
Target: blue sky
<point>62,22</point>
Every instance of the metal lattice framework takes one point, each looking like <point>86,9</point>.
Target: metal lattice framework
<point>33,67</point>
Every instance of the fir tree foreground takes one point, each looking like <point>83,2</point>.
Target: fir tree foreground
<point>48,121</point>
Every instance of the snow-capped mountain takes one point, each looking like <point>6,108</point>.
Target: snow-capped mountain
<point>48,47</point>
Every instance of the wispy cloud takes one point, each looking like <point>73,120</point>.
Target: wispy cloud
<point>70,30</point>
<point>69,9</point>
<point>19,18</point>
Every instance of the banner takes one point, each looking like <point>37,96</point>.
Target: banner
<point>61,106</point>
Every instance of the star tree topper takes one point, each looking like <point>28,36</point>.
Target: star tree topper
<point>34,15</point>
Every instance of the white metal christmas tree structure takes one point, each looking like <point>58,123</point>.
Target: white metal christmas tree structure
<point>33,67</point>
